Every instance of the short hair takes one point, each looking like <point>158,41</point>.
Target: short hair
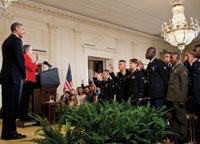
<point>107,71</point>
<point>122,61</point>
<point>168,52</point>
<point>153,49</point>
<point>67,92</point>
<point>134,60</point>
<point>177,55</point>
<point>15,25</point>
<point>26,47</point>
<point>197,46</point>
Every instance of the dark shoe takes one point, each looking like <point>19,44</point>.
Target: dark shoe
<point>15,136</point>
<point>183,141</point>
<point>25,119</point>
<point>23,136</point>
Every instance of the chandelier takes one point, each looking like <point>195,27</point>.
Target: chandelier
<point>4,4</point>
<point>178,32</point>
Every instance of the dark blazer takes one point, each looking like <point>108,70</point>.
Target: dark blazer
<point>13,67</point>
<point>136,85</point>
<point>121,85</point>
<point>157,76</point>
<point>190,77</point>
<point>107,89</point>
<point>196,81</point>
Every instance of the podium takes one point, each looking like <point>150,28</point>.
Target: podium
<point>46,86</point>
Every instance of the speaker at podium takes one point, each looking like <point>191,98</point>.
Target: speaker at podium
<point>48,79</point>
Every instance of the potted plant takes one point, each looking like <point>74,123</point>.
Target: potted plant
<point>106,122</point>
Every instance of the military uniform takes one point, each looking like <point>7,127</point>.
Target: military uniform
<point>196,80</point>
<point>121,85</point>
<point>190,76</point>
<point>196,87</point>
<point>177,95</point>
<point>136,85</point>
<point>157,76</point>
<point>107,89</point>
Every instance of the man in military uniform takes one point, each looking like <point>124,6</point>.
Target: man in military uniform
<point>135,82</point>
<point>107,87</point>
<point>196,81</point>
<point>121,81</point>
<point>157,76</point>
<point>177,95</point>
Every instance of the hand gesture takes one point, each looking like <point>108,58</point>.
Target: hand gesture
<point>111,68</point>
<point>96,74</point>
<point>37,58</point>
<point>82,81</point>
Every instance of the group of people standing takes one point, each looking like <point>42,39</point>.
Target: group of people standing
<point>164,82</point>
<point>17,77</point>
<point>168,82</point>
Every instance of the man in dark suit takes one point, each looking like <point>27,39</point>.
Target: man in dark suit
<point>11,76</point>
<point>157,76</point>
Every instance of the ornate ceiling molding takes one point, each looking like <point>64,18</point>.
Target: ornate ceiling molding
<point>76,17</point>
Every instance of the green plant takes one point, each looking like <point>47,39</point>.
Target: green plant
<point>108,122</point>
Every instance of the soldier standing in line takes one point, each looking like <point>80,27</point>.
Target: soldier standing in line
<point>135,82</point>
<point>157,76</point>
<point>121,81</point>
<point>107,87</point>
<point>196,82</point>
<point>177,95</point>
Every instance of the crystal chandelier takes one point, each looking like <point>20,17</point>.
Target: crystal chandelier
<point>4,4</point>
<point>178,32</point>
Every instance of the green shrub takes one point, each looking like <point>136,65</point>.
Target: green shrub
<point>107,122</point>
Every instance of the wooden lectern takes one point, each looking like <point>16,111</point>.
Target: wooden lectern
<point>42,95</point>
<point>47,83</point>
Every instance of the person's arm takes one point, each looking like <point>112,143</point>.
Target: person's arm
<point>163,71</point>
<point>18,57</point>
<point>140,85</point>
<point>82,83</point>
<point>112,74</point>
<point>96,79</point>
<point>30,65</point>
<point>95,99</point>
<point>111,89</point>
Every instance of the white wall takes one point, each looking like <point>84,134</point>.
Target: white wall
<point>70,38</point>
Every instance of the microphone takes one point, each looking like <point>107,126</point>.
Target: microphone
<point>48,64</point>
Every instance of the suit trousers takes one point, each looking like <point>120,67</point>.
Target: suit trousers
<point>10,106</point>
<point>27,91</point>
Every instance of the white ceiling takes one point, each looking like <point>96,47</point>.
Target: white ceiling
<point>145,16</point>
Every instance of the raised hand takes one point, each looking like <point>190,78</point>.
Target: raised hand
<point>111,68</point>
<point>37,58</point>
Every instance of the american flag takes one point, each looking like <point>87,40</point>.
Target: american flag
<point>68,82</point>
